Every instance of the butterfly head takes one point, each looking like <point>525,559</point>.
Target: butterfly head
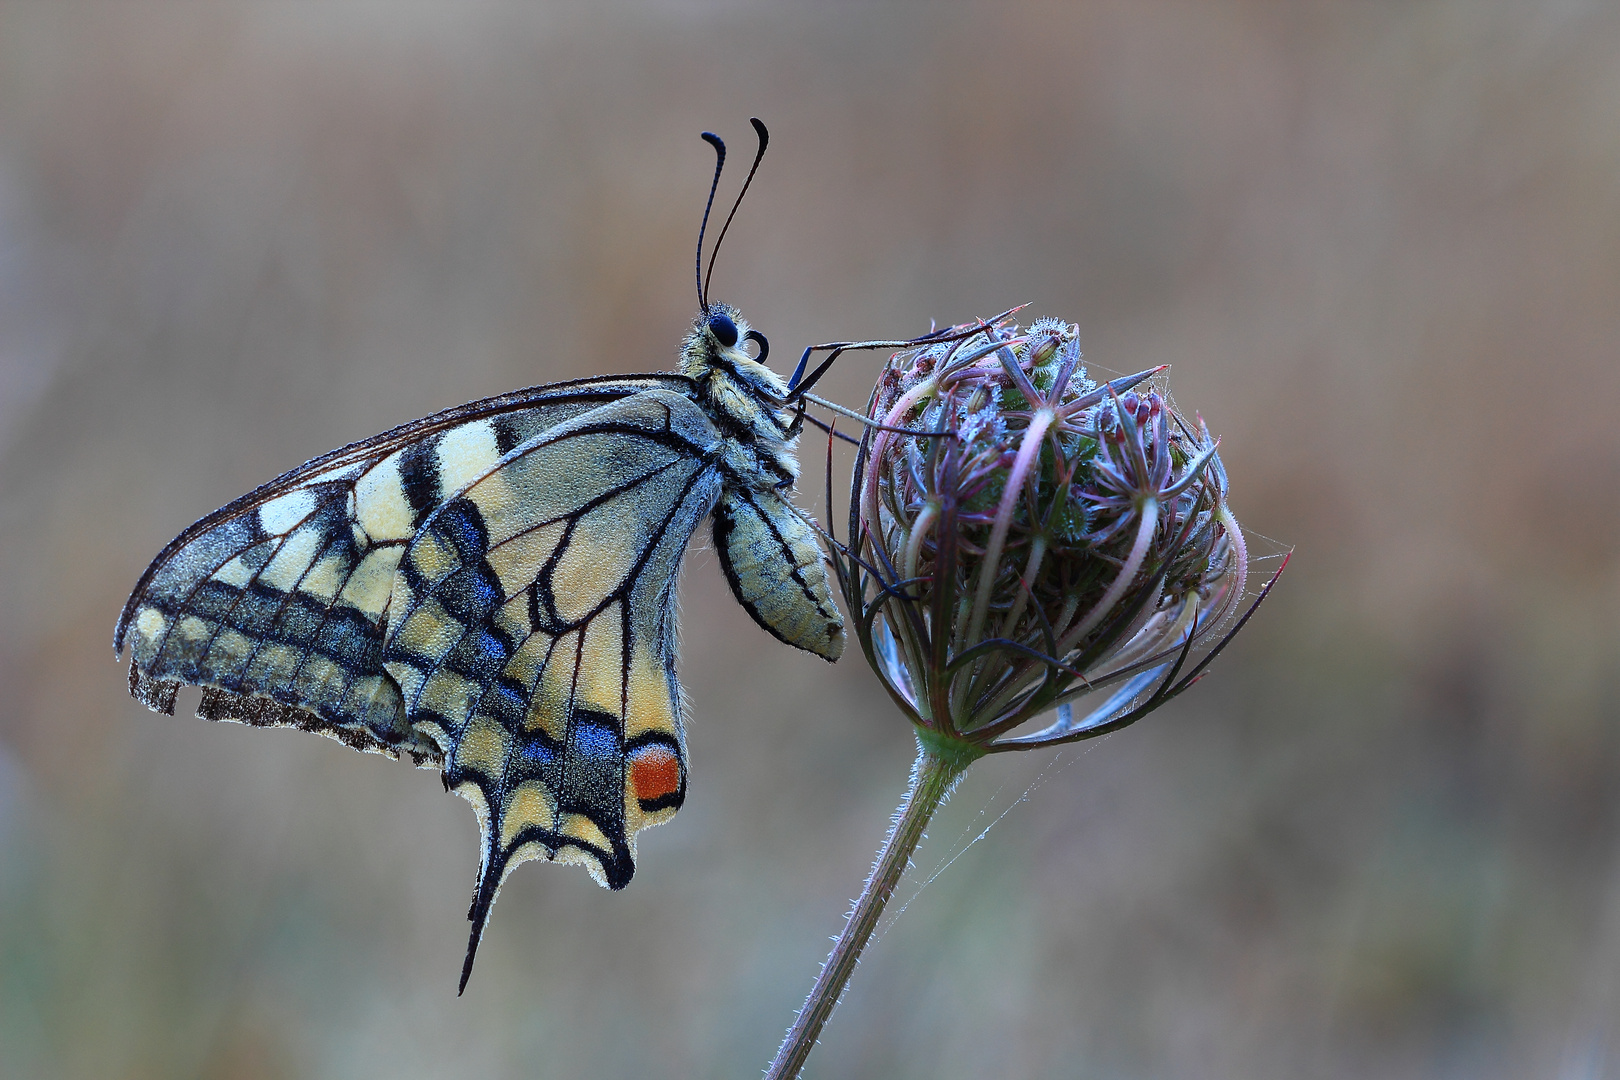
<point>722,346</point>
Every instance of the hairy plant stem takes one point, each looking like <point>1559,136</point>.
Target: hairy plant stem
<point>932,777</point>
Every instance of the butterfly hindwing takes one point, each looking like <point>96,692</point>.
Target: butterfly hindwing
<point>276,604</point>
<point>531,631</point>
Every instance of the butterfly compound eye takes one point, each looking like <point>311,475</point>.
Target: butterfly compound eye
<point>723,329</point>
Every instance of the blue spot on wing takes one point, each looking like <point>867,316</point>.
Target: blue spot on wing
<point>471,593</point>
<point>460,523</point>
<point>480,655</point>
<point>591,778</point>
<point>507,703</point>
<point>534,753</point>
<point>593,740</point>
<point>536,756</point>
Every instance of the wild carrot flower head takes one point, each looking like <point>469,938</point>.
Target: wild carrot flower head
<point>1027,540</point>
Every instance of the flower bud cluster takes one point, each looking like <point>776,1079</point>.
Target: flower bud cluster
<point>1026,537</point>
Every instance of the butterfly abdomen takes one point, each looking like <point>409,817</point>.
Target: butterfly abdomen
<point>771,558</point>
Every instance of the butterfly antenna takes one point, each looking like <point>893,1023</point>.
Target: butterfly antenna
<point>489,880</point>
<point>764,141</point>
<point>719,163</point>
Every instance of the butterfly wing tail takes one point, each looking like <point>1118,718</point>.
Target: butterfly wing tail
<point>531,632</point>
<point>490,873</point>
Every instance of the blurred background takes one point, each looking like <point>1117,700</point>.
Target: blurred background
<point>1378,243</point>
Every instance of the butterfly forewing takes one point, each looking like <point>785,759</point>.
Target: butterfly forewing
<point>276,603</point>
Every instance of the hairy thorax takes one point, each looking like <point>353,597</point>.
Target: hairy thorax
<point>744,398</point>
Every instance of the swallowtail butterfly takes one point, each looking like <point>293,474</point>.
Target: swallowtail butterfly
<point>491,591</point>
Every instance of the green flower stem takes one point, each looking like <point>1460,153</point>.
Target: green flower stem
<point>932,777</point>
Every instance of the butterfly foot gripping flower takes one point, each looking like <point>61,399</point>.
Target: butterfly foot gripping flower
<point>1035,558</point>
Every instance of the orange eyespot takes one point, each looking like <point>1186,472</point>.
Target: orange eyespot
<point>655,773</point>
